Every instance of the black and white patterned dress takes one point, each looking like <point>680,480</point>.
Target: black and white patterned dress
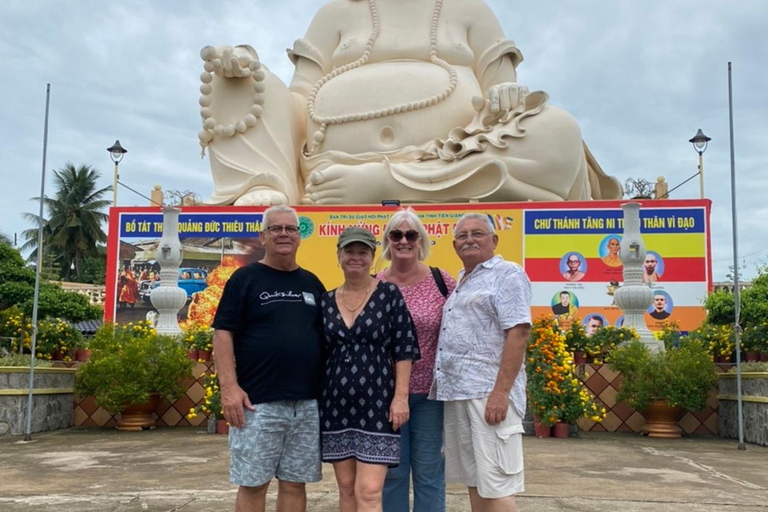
<point>359,378</point>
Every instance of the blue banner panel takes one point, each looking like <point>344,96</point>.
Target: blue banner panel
<point>652,220</point>
<point>204,225</point>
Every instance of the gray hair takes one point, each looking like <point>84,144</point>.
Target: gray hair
<point>409,216</point>
<point>479,216</point>
<point>278,208</point>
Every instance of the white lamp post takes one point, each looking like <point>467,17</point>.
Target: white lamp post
<point>116,153</point>
<point>700,142</point>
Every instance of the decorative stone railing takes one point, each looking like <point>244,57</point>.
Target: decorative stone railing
<point>94,292</point>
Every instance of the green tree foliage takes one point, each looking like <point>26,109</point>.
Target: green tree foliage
<point>720,308</point>
<point>74,215</point>
<point>754,303</point>
<point>95,267</point>
<point>754,300</point>
<point>17,287</point>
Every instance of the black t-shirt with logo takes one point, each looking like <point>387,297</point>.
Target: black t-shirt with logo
<point>276,323</point>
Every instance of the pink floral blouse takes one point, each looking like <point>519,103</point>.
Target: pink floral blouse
<point>425,303</point>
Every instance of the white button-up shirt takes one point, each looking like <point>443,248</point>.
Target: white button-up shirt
<point>494,297</point>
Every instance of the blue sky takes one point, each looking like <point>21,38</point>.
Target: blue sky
<point>640,77</point>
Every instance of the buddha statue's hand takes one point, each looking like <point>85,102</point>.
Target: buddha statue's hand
<point>505,97</point>
<point>231,62</point>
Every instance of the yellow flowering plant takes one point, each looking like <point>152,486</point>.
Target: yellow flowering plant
<point>130,363</point>
<point>754,338</point>
<point>576,336</point>
<point>670,334</point>
<point>198,336</point>
<point>211,402</point>
<point>555,392</point>
<point>606,339</point>
<point>16,328</point>
<point>718,340</point>
<point>55,336</point>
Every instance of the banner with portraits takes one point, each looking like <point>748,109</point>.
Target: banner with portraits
<point>568,249</point>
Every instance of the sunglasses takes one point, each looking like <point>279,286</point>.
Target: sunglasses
<point>396,235</point>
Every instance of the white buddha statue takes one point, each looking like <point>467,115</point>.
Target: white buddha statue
<point>414,100</point>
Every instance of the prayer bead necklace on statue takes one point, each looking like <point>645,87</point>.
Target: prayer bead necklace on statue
<point>324,121</point>
<point>210,127</point>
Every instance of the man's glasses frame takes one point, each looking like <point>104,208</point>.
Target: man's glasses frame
<point>288,228</point>
<point>473,234</point>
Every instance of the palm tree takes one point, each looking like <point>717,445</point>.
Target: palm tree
<point>5,239</point>
<point>72,229</point>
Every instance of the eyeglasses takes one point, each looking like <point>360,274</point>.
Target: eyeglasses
<point>276,230</point>
<point>396,235</point>
<point>474,234</point>
<point>573,261</point>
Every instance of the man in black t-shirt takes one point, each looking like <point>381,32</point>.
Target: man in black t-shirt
<point>268,357</point>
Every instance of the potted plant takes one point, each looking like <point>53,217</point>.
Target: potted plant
<point>130,369</point>
<point>606,339</point>
<point>211,403</point>
<point>199,340</point>
<point>661,385</point>
<point>82,350</point>
<point>754,341</point>
<point>576,341</point>
<point>718,340</point>
<point>670,334</point>
<point>56,339</point>
<point>16,327</point>
<point>556,395</point>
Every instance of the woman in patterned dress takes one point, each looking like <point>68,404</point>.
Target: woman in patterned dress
<point>406,245</point>
<point>370,345</point>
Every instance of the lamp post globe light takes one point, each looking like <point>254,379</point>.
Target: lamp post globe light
<point>116,153</point>
<point>700,143</point>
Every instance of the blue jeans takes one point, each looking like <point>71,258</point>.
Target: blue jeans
<point>421,442</point>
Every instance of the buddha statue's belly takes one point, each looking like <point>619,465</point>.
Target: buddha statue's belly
<point>389,84</point>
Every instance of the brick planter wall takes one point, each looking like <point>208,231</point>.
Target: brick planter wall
<point>86,414</point>
<point>604,383</point>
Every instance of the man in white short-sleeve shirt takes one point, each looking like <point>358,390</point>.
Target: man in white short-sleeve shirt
<point>479,371</point>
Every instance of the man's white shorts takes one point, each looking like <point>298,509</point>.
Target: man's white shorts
<point>489,457</point>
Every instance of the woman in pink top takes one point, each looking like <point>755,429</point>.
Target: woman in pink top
<point>406,244</point>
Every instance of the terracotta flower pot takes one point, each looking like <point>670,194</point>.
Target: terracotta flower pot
<point>764,357</point>
<point>139,417</point>
<point>661,420</point>
<point>205,355</point>
<point>57,355</point>
<point>752,356</point>
<point>540,430</point>
<point>193,354</point>
<point>579,357</point>
<point>83,355</point>
<point>222,427</point>
<point>561,430</point>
